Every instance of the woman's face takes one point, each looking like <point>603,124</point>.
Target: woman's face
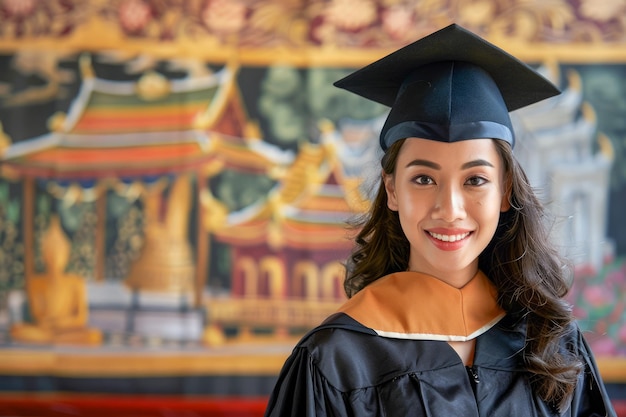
<point>448,197</point>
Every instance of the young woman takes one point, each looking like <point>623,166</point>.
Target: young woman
<point>455,293</point>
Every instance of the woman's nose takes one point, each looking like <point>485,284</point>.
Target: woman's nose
<point>450,204</point>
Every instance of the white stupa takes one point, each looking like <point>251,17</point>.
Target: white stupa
<point>568,163</point>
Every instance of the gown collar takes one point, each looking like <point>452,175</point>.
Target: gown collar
<point>412,305</point>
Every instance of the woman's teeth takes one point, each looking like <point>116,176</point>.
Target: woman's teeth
<point>449,238</point>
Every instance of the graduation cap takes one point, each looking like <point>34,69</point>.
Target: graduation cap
<point>449,86</point>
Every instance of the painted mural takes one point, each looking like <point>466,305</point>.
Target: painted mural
<point>178,178</point>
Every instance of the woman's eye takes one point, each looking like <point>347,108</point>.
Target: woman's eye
<point>423,180</point>
<point>475,181</point>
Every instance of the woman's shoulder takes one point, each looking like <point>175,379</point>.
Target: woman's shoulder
<point>339,335</point>
<point>572,338</point>
<point>351,356</point>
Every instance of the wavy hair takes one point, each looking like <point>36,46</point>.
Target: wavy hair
<point>526,269</point>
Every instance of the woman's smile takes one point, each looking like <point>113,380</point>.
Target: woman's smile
<point>448,240</point>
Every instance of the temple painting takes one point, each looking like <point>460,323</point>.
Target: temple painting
<point>176,193</point>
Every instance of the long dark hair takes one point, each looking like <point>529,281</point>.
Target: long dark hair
<point>526,269</point>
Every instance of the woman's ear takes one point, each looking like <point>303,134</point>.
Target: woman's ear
<point>392,201</point>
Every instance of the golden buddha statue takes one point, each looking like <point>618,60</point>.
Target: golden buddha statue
<point>57,301</point>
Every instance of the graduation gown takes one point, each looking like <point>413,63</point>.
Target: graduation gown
<point>386,353</point>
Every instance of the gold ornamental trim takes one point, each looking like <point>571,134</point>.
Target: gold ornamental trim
<point>139,364</point>
<point>144,364</point>
<point>571,53</point>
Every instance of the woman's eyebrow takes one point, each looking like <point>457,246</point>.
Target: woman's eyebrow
<point>477,163</point>
<point>423,162</point>
<point>434,165</point>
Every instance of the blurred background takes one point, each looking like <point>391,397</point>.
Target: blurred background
<point>177,176</point>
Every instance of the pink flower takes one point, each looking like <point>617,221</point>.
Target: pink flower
<point>580,313</point>
<point>598,296</point>
<point>617,277</point>
<point>18,8</point>
<point>603,346</point>
<point>398,21</point>
<point>134,15</point>
<point>621,333</point>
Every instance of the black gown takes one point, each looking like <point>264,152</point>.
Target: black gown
<point>343,368</point>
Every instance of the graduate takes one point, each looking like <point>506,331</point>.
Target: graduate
<point>455,292</point>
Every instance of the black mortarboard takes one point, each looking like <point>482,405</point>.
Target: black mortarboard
<point>449,86</point>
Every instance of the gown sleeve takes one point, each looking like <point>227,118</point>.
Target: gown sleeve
<point>301,390</point>
<point>590,398</point>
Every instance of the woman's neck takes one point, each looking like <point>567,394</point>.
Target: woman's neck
<point>456,279</point>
